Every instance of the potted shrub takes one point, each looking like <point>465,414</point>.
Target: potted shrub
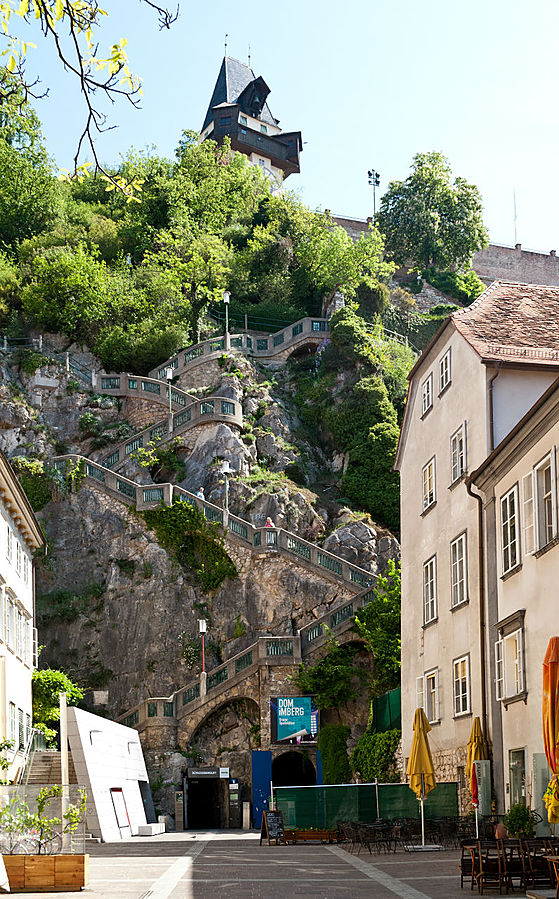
<point>32,843</point>
<point>520,821</point>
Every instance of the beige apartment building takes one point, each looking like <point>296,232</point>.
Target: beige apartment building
<point>478,377</point>
<point>518,483</point>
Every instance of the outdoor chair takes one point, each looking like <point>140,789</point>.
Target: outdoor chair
<point>514,861</point>
<point>537,868</point>
<point>468,863</point>
<point>491,870</point>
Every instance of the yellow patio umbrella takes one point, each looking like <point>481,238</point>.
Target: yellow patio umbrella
<point>420,770</point>
<point>550,715</point>
<point>477,750</point>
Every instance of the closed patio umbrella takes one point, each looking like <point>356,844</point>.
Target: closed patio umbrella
<point>477,750</point>
<point>550,715</point>
<point>420,768</point>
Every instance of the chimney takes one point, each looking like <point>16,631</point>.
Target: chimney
<point>553,252</point>
<point>518,246</point>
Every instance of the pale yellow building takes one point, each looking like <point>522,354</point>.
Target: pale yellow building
<point>481,373</point>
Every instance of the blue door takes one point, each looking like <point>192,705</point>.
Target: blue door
<point>261,779</point>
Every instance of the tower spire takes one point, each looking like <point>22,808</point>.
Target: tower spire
<point>249,56</point>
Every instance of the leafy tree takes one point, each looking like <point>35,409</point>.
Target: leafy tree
<point>378,624</point>
<point>68,292</point>
<point>332,742</point>
<point>465,285</point>
<point>47,684</point>
<point>430,220</point>
<point>334,679</point>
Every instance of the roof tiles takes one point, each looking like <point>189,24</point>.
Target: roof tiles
<point>514,323</point>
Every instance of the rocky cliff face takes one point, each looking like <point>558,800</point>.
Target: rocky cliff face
<point>114,607</point>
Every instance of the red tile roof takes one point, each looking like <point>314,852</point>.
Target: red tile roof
<point>514,323</point>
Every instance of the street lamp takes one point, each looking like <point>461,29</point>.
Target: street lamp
<point>226,298</point>
<point>169,376</point>
<point>202,628</point>
<point>226,470</point>
<point>374,181</point>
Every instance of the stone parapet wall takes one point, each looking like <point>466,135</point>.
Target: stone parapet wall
<point>515,264</point>
<point>141,413</point>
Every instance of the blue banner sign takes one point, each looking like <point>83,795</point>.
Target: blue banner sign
<point>294,719</point>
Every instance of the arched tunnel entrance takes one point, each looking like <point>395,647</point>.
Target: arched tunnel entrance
<point>293,769</point>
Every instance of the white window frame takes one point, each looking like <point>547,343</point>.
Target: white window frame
<point>510,546</point>
<point>12,723</point>
<point>10,622</point>
<point>423,683</point>
<point>459,571</point>
<point>509,665</point>
<point>427,394</point>
<point>9,542</point>
<point>18,557</point>
<point>458,457</point>
<point>429,484</point>
<point>461,685</point>
<point>25,568</point>
<point>430,590</point>
<point>445,371</point>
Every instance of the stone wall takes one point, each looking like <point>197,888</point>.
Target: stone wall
<point>141,413</point>
<point>515,264</point>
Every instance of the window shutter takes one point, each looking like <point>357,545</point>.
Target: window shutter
<point>437,700</point>
<point>465,447</point>
<point>499,678</point>
<point>554,489</point>
<point>420,692</point>
<point>520,660</point>
<point>528,511</point>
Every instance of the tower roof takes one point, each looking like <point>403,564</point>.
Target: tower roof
<point>231,87</point>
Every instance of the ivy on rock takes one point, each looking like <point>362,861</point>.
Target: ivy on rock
<point>196,544</point>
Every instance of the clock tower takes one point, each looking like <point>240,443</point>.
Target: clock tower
<point>239,109</point>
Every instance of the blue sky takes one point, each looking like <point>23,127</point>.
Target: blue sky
<point>368,83</point>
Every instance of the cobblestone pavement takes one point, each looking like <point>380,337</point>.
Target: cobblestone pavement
<point>228,864</point>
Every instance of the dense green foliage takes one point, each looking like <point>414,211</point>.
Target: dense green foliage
<point>378,624</point>
<point>463,285</point>
<point>40,482</point>
<point>332,743</point>
<point>374,756</point>
<point>334,679</point>
<point>353,401</point>
<point>47,684</point>
<point>430,220</point>
<point>195,543</point>
<point>133,280</point>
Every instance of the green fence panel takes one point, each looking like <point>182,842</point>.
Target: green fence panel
<point>387,711</point>
<point>324,806</point>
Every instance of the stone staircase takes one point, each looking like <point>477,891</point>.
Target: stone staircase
<point>45,768</point>
<point>186,412</point>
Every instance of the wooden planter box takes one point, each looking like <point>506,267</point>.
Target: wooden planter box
<point>46,873</point>
<point>310,836</point>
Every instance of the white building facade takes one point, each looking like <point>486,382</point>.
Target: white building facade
<point>20,537</point>
<point>477,378</point>
<point>518,483</point>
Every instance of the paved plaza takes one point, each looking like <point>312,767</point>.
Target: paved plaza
<point>234,865</point>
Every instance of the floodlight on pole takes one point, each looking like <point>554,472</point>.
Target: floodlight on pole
<point>374,181</point>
